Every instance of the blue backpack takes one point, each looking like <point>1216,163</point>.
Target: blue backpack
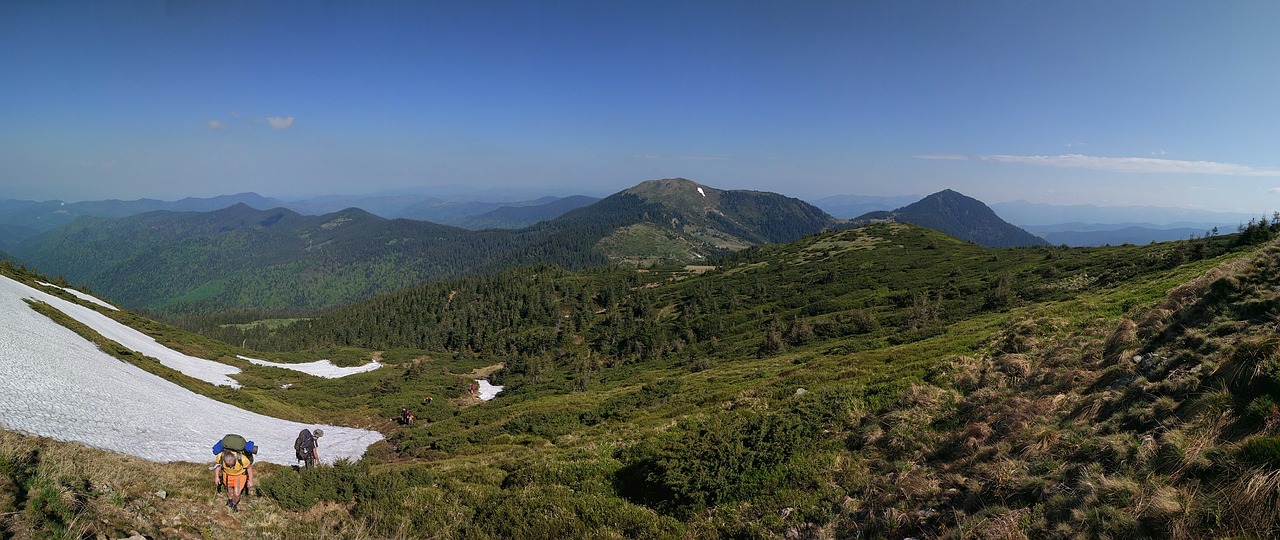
<point>237,444</point>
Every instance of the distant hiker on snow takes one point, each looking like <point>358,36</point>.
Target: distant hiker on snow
<point>307,446</point>
<point>233,469</point>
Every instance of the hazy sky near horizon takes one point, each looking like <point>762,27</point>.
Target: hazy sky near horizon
<point>1107,103</point>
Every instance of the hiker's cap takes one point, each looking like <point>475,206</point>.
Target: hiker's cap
<point>318,433</point>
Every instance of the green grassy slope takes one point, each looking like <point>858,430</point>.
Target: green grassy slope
<point>887,381</point>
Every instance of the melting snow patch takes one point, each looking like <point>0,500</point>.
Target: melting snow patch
<point>205,370</point>
<point>319,368</point>
<point>83,296</point>
<point>487,391</point>
<point>59,385</point>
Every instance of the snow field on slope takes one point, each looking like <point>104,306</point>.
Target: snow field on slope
<point>319,368</point>
<point>83,296</point>
<point>59,385</point>
<point>205,370</point>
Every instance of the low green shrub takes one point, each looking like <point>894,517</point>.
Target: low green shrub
<point>1262,451</point>
<point>544,424</point>
<point>555,512</point>
<point>731,456</point>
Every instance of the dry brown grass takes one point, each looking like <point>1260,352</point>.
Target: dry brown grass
<point>117,495</point>
<point>1042,443</point>
<point>1250,358</point>
<point>967,372</point>
<point>1192,291</point>
<point>1121,342</point>
<point>1249,503</point>
<point>1005,526</point>
<point>1017,366</point>
<point>1155,321</point>
<point>925,396</point>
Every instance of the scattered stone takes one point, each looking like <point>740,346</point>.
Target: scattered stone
<point>801,391</point>
<point>162,494</point>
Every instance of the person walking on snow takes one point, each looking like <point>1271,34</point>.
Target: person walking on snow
<point>235,471</point>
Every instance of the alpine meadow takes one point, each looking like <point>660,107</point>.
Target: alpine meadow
<point>884,380</point>
<point>639,270</point>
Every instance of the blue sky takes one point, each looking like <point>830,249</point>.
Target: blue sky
<point>1108,103</point>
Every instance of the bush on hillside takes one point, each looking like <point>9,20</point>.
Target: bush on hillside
<point>731,456</point>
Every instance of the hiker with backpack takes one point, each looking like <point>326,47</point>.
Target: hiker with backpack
<point>233,469</point>
<point>306,447</point>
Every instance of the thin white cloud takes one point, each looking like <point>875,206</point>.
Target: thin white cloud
<point>1274,190</point>
<point>1119,164</point>
<point>280,123</point>
<point>216,125</point>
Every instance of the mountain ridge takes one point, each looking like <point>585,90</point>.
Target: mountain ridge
<point>961,216</point>
<point>691,222</point>
<point>276,258</point>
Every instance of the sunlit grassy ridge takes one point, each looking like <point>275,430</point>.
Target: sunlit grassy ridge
<point>886,381</point>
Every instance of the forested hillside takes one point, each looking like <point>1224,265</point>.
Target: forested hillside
<point>678,221</point>
<point>963,217</point>
<point>245,258</point>
<point>889,283</point>
<point>239,258</point>
<point>888,381</point>
<point>519,217</point>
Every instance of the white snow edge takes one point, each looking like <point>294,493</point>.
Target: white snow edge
<point>485,390</point>
<point>319,368</point>
<point>59,385</point>
<point>83,296</point>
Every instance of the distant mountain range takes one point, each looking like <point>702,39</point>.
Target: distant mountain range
<point>1028,215</point>
<point>240,257</point>
<point>1093,234</point>
<point>519,216</point>
<point>20,220</point>
<point>851,206</point>
<point>960,216</point>
<point>1073,225</point>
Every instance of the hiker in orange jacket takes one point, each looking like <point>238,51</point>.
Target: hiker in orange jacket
<point>235,471</point>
